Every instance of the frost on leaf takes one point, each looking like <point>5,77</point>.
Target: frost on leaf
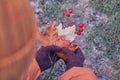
<point>69,32</point>
<point>51,37</point>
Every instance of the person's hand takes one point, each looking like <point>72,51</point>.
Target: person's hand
<point>45,56</point>
<point>75,59</point>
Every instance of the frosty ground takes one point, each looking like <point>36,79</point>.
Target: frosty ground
<point>106,66</point>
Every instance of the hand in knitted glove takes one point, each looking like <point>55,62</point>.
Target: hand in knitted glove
<point>75,58</point>
<point>45,56</point>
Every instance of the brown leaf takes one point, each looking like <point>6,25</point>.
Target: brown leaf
<point>51,37</point>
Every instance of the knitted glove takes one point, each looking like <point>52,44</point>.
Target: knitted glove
<point>75,58</point>
<point>46,55</point>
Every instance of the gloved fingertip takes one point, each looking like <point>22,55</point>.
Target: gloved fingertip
<point>66,51</point>
<point>56,48</point>
<point>78,50</point>
<point>53,48</point>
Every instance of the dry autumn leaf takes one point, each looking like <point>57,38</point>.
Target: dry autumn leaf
<point>51,37</point>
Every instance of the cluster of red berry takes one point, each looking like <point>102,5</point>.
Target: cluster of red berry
<point>69,12</point>
<point>80,25</point>
<point>80,28</point>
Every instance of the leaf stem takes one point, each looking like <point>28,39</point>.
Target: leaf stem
<point>52,67</point>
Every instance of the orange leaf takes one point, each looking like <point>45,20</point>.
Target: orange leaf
<point>51,37</point>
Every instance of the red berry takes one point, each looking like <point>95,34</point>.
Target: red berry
<point>80,29</point>
<point>70,10</point>
<point>78,33</point>
<point>64,11</point>
<point>81,24</point>
<point>70,24</point>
